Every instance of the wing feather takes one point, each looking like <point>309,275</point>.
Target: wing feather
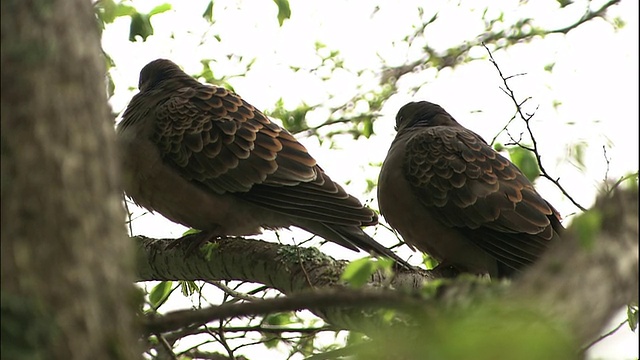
<point>476,190</point>
<point>214,138</point>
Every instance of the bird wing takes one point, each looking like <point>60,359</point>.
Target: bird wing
<point>468,186</point>
<point>214,138</point>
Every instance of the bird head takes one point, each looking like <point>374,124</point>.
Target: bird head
<point>423,114</point>
<point>157,71</point>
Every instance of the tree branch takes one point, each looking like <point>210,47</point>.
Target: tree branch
<point>588,16</point>
<point>593,272</point>
<point>288,269</point>
<point>309,299</point>
<point>283,267</point>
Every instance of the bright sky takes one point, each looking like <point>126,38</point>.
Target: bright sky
<point>595,78</point>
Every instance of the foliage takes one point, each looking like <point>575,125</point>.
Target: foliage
<point>109,10</point>
<point>513,331</point>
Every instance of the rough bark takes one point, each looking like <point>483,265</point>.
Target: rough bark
<point>587,279</point>
<point>66,275</point>
<point>289,269</point>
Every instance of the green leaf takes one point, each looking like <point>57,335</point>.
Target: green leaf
<point>306,346</point>
<point>208,249</point>
<point>191,231</point>
<point>188,288</point>
<point>159,9</point>
<point>429,262</point>
<point>284,11</point>
<point>208,13</point>
<point>358,272</point>
<point>564,3</point>
<point>577,153</point>
<point>279,319</point>
<point>141,23</point>
<point>549,67</point>
<point>587,226</point>
<point>111,85</point>
<point>160,293</point>
<point>140,26</point>
<point>294,120</point>
<point>632,317</point>
<point>618,23</point>
<point>526,161</point>
<point>431,288</point>
<point>367,131</point>
<point>270,341</point>
<point>125,10</point>
<point>106,11</point>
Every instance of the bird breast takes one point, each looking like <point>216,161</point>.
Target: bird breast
<point>158,187</point>
<point>402,209</point>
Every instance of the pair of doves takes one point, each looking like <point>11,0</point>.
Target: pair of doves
<point>203,157</point>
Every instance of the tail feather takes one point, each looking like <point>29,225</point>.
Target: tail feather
<point>353,238</point>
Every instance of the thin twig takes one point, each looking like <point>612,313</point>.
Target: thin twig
<point>167,347</point>
<point>526,119</point>
<point>223,340</point>
<point>231,292</point>
<point>608,161</point>
<point>129,213</point>
<point>604,336</point>
<point>493,141</point>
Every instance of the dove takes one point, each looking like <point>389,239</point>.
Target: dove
<point>450,195</point>
<point>203,157</point>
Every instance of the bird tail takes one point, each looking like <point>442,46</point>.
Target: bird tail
<point>353,238</point>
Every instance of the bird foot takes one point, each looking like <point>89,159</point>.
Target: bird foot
<point>194,241</point>
<point>445,271</point>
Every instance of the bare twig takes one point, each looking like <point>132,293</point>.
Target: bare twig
<point>167,347</point>
<point>312,130</point>
<point>604,336</point>
<point>608,186</point>
<point>279,330</point>
<point>526,118</point>
<point>503,130</point>
<point>231,292</point>
<point>129,213</point>
<point>222,340</point>
<point>606,172</point>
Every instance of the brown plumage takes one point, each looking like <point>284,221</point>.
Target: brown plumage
<point>203,157</point>
<point>449,194</point>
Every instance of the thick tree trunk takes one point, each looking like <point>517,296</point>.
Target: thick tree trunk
<point>66,276</point>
